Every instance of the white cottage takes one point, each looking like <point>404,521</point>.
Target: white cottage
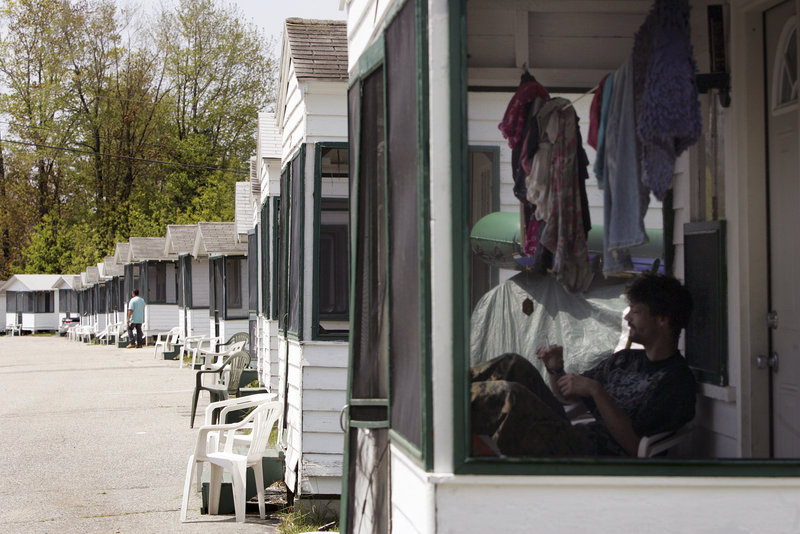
<point>2,309</point>
<point>193,289</point>
<point>310,291</point>
<point>87,304</point>
<point>423,73</point>
<point>155,274</point>
<point>265,172</point>
<point>228,286</point>
<point>31,302</point>
<point>68,287</point>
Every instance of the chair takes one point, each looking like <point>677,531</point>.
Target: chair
<point>194,344</point>
<point>259,423</point>
<point>224,387</point>
<point>166,341</point>
<point>649,446</point>
<point>211,359</point>
<point>218,411</point>
<point>236,338</point>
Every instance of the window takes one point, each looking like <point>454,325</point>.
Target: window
<point>100,293</point>
<point>281,240</point>
<point>162,282</point>
<point>331,274</point>
<point>11,302</point>
<point>264,258</point>
<point>484,177</point>
<point>252,271</point>
<point>185,281</point>
<point>785,69</point>
<point>132,271</point>
<point>295,245</point>
<point>63,300</point>
<point>277,271</point>
<point>30,303</point>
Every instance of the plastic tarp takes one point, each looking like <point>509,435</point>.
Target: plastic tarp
<point>588,325</point>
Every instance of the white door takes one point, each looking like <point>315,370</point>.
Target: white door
<point>780,32</point>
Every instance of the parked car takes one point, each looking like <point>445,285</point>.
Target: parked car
<point>66,323</point>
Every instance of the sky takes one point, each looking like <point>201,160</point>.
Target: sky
<point>270,14</point>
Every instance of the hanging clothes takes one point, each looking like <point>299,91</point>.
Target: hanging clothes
<point>566,229</point>
<point>599,161</point>
<point>625,198</point>
<point>516,128</point>
<point>667,106</point>
<point>594,114</point>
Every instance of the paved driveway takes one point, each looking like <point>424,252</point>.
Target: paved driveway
<point>96,439</point>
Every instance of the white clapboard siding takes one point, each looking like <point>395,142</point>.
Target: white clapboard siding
<point>363,18</point>
<point>198,323</point>
<point>293,119</point>
<point>228,327</point>
<point>39,321</point>
<point>160,317</point>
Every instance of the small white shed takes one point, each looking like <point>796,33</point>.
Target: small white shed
<point>31,302</point>
<point>157,275</point>
<point>193,289</point>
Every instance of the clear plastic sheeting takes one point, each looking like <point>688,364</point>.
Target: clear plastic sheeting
<point>587,325</point>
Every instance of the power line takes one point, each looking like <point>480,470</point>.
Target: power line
<point>22,125</point>
<point>67,149</point>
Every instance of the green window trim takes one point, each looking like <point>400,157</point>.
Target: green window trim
<point>275,245</point>
<point>289,243</point>
<point>315,310</point>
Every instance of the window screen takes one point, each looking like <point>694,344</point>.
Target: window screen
<point>264,257</point>
<point>101,298</point>
<point>404,262</point>
<point>296,246</point>
<point>156,283</point>
<point>217,277</point>
<point>235,288</point>
<point>333,272</point>
<point>281,246</point>
<point>369,354</point>
<point>252,272</point>
<point>63,304</point>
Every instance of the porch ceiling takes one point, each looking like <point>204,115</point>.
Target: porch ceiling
<point>564,43</point>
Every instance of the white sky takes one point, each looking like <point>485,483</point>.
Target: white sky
<point>270,14</point>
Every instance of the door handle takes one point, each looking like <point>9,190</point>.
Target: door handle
<point>342,415</point>
<point>772,361</point>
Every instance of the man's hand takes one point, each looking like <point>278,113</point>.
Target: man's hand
<point>571,386</point>
<point>552,357</point>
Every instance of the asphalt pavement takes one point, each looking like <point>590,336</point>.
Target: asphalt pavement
<point>96,439</point>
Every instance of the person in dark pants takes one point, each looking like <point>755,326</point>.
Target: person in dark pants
<point>135,320</point>
<point>633,393</point>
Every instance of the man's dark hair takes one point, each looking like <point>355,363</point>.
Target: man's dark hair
<point>665,296</point>
<point>136,292</point>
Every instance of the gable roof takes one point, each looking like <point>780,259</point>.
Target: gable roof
<point>148,248</point>
<point>217,238</point>
<point>111,267</point>
<point>318,48</point>
<point>68,281</point>
<point>30,282</point>
<point>90,276</point>
<point>180,238</point>
<point>121,252</point>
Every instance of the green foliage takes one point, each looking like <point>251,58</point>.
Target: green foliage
<point>118,92</point>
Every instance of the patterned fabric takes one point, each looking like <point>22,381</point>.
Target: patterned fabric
<point>516,115</point>
<point>565,234</point>
<point>511,403</point>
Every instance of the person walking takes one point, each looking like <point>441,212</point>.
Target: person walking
<point>135,320</point>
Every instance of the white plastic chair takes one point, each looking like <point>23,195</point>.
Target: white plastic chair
<point>212,360</point>
<point>166,341</point>
<point>218,411</point>
<point>262,419</point>
<point>193,344</point>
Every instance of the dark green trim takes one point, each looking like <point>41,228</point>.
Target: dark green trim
<point>368,424</point>
<point>317,218</point>
<point>370,59</point>
<point>291,334</point>
<point>274,231</point>
<point>631,467</point>
<point>424,202</point>
<point>457,27</point>
<point>495,150</point>
<point>264,262</point>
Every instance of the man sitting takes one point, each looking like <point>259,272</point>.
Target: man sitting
<point>633,393</point>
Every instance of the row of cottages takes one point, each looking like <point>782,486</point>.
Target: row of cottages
<point>299,253</point>
<point>426,79</point>
<point>31,302</point>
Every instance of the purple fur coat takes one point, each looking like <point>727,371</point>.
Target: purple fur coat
<point>667,108</point>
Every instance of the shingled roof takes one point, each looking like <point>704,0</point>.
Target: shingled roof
<point>218,238</point>
<point>121,252</point>
<point>318,48</point>
<point>111,267</point>
<point>148,248</point>
<point>180,238</point>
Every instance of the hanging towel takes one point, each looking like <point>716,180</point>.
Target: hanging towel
<point>599,162</point>
<point>594,114</point>
<point>625,197</point>
<point>668,110</point>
